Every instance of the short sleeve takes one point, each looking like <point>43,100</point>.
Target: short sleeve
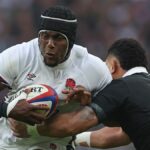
<point>9,62</point>
<point>111,99</point>
<point>100,71</point>
<point>97,73</point>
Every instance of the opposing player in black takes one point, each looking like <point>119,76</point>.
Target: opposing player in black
<point>125,102</point>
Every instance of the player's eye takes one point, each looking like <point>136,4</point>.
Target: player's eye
<point>44,35</point>
<point>58,37</point>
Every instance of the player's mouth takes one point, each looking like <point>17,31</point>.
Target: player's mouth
<point>50,55</point>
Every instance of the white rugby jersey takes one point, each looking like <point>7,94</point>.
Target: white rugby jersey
<point>23,65</point>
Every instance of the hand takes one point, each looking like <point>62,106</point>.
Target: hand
<point>19,129</point>
<point>79,94</point>
<point>19,109</point>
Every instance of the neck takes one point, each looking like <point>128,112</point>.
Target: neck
<point>119,73</point>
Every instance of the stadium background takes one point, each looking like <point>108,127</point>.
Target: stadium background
<point>100,23</point>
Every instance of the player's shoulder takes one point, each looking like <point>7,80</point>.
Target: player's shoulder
<point>23,47</point>
<point>24,51</point>
<point>93,67</point>
<point>81,54</point>
<point>29,46</point>
<point>79,51</point>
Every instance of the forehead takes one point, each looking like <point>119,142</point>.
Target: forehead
<point>50,32</point>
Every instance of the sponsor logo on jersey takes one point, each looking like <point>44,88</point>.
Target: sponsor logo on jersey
<point>31,76</point>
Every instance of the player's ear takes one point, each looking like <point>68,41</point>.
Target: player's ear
<point>110,62</point>
<point>116,69</point>
<point>115,66</point>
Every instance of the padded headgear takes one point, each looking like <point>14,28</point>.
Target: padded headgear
<point>60,19</point>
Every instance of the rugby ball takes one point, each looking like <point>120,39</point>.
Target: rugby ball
<point>44,95</point>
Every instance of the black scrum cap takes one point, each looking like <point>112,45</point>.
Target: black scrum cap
<point>60,19</point>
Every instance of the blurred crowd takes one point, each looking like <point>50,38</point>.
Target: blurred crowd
<point>100,21</point>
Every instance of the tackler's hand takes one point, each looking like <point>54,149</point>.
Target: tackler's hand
<point>79,94</point>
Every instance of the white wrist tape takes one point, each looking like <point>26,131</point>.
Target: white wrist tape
<point>83,138</point>
<point>13,103</point>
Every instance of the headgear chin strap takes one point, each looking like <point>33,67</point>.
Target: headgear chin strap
<point>60,19</point>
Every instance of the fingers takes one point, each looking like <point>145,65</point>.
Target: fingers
<point>65,91</point>
<point>27,91</point>
<point>32,121</point>
<point>76,92</point>
<point>36,118</point>
<point>86,100</point>
<point>39,107</point>
<point>27,113</point>
<point>80,87</point>
<point>32,107</point>
<point>79,94</point>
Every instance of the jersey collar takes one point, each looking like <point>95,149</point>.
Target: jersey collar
<point>135,70</point>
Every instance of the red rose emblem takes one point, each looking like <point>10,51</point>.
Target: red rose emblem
<point>70,83</point>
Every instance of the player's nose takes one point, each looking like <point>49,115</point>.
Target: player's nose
<point>51,43</point>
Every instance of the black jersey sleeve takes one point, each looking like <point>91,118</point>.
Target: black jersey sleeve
<point>109,101</point>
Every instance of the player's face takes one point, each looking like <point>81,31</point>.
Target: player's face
<point>53,46</point>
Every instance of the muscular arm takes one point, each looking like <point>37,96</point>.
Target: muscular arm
<point>109,137</point>
<point>75,122</point>
<point>67,124</point>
